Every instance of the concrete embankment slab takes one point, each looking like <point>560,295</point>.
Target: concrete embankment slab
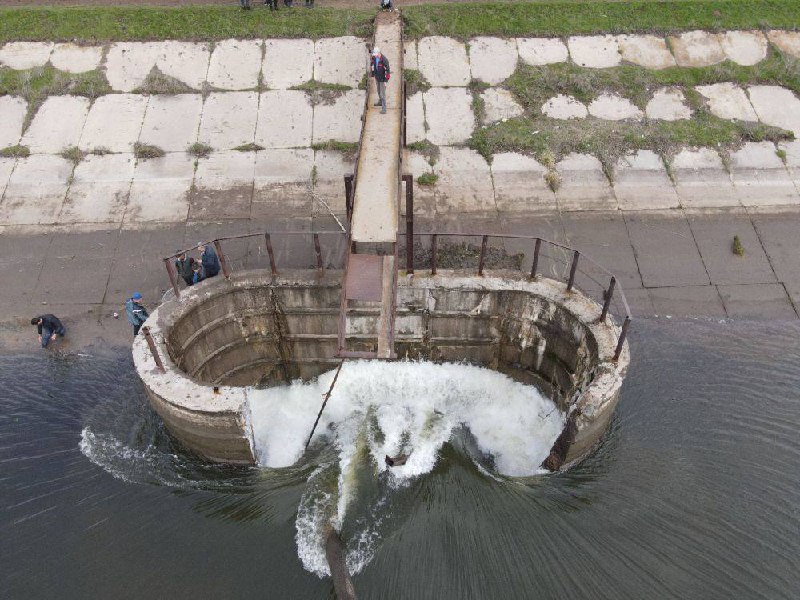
<point>287,63</point>
<point>171,122</point>
<point>99,190</point>
<point>114,123</point>
<point>57,125</point>
<point>160,190</point>
<point>12,115</point>
<point>229,120</point>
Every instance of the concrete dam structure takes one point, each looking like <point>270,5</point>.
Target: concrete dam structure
<point>221,340</point>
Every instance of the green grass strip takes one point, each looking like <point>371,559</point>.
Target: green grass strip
<point>570,18</point>
<point>201,23</point>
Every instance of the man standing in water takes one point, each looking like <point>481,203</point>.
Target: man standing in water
<point>136,313</point>
<point>379,69</point>
<point>49,328</point>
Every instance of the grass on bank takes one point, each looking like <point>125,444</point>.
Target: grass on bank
<point>463,20</point>
<point>533,86</point>
<point>17,151</point>
<point>203,23</point>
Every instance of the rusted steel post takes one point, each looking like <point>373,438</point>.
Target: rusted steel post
<point>324,402</point>
<point>222,260</point>
<point>173,276</point>
<point>535,264</point>
<point>405,121</point>
<point>572,270</point>
<point>484,243</point>
<point>273,267</point>
<point>622,335</point>
<point>433,253</point>
<point>153,349</point>
<point>348,196</point>
<point>409,181</point>
<point>318,253</point>
<point>609,296</point>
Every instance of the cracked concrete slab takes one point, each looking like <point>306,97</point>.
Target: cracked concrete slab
<point>340,60</point>
<point>283,184</point>
<point>614,108</point>
<point>12,116</point>
<point>499,104</point>
<point>714,236</point>
<point>687,301</point>
<point>776,106</point>
<point>542,51</point>
<point>646,51</point>
<point>160,189</point>
<point>792,152</point>
<point>759,301</point>
<point>285,119</point>
<point>416,164</point>
<point>114,122</point>
<point>187,62</point>
<point>760,177</point>
<point>340,121</point>
<point>235,65</point>
<point>25,55</point>
<point>668,104</point>
<point>36,190</point>
<point>287,63</point>
<point>57,125</point>
<point>595,51</point>
<point>128,64</point>
<point>73,58</point>
<point>465,182</point>
<point>223,187</point>
<point>519,184</point>
<point>744,47</point>
<point>701,179</point>
<point>410,55</point>
<point>99,190</point>
<point>448,112</point>
<point>584,185</point>
<point>443,61</point>
<point>697,49</point>
<point>641,183</point>
<point>778,235</point>
<point>665,250</point>
<point>171,122</point>
<point>229,119</point>
<point>415,119</point>
<point>728,101</point>
<point>492,60</point>
<point>331,167</point>
<point>787,42</point>
<point>564,107</point>
<point>6,166</point>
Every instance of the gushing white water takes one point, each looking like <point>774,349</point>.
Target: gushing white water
<point>381,408</point>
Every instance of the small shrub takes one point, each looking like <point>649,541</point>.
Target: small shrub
<point>415,82</point>
<point>781,154</point>
<point>321,93</point>
<point>157,82</point>
<point>427,179</point>
<point>17,151</point>
<point>738,249</point>
<point>200,150</point>
<point>553,180</point>
<point>249,147</point>
<point>429,150</point>
<point>100,151</point>
<point>145,151</point>
<point>348,148</point>
<point>73,154</point>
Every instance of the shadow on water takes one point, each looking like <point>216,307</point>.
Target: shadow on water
<point>692,494</point>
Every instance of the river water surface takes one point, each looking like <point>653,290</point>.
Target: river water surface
<point>693,494</point>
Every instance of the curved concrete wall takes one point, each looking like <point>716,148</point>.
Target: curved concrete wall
<point>251,330</point>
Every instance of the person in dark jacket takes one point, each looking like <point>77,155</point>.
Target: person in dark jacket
<point>245,4</point>
<point>49,328</point>
<point>136,313</point>
<point>379,69</point>
<point>184,267</point>
<point>209,260</point>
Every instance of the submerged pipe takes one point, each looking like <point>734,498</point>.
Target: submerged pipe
<point>334,552</point>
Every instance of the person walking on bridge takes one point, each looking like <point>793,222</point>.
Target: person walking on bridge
<point>379,69</point>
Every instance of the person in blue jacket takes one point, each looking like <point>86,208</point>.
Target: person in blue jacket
<point>209,260</point>
<point>136,313</point>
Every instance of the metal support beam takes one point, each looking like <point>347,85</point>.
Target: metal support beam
<point>222,260</point>
<point>409,181</point>
<point>572,270</point>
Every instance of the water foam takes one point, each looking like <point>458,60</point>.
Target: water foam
<point>379,409</point>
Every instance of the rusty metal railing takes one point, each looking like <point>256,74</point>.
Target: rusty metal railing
<point>315,242</point>
<point>572,259</point>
